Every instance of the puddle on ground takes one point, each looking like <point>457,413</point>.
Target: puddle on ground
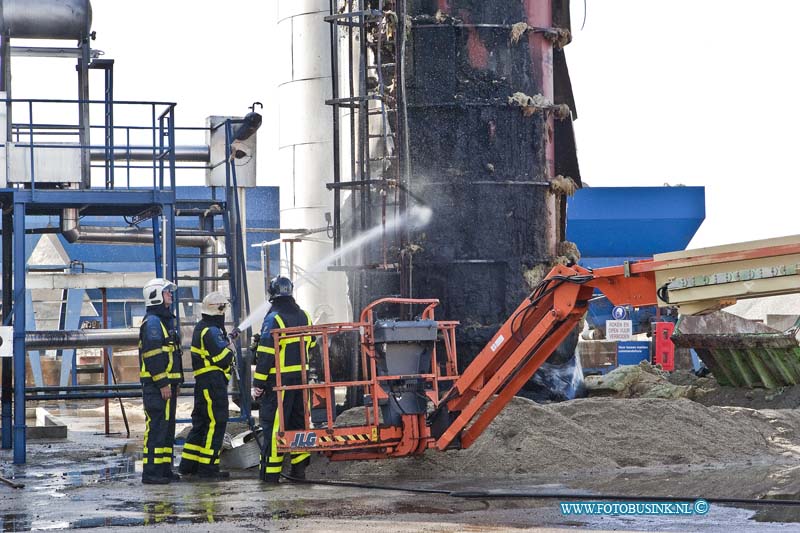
<point>23,523</point>
<point>152,514</point>
<point>121,468</point>
<point>52,480</point>
<point>778,513</point>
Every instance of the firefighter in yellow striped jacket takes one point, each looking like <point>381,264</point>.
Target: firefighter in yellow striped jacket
<point>160,374</point>
<point>211,362</point>
<point>284,313</point>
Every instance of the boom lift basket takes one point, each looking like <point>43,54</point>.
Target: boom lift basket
<point>403,375</point>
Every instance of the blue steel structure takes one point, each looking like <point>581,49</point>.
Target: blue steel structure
<point>156,199</point>
<point>46,200</point>
<point>611,225</point>
<point>49,202</point>
<point>262,207</point>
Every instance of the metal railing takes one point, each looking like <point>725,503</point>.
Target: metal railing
<point>140,145</point>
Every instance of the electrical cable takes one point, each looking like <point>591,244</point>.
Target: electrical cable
<point>663,293</point>
<point>357,485</point>
<point>617,497</point>
<point>489,494</point>
<point>584,15</point>
<point>534,298</point>
<point>393,396</point>
<point>523,313</point>
<point>542,290</point>
<point>247,161</point>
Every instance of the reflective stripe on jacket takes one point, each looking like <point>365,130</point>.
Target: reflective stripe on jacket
<point>157,353</point>
<point>210,351</point>
<point>285,316</point>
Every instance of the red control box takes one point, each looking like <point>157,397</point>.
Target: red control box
<point>664,350</point>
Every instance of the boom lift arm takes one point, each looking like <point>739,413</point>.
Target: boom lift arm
<point>463,406</point>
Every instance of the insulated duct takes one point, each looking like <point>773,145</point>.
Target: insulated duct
<point>46,19</point>
<point>74,233</point>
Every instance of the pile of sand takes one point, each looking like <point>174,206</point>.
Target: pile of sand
<point>781,398</point>
<point>595,434</point>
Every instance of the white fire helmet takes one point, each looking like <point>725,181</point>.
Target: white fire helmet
<point>153,291</point>
<point>214,304</point>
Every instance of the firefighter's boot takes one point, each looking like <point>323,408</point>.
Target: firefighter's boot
<point>298,470</point>
<point>212,473</point>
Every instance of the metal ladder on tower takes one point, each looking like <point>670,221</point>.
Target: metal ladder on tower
<point>385,39</point>
<point>374,165</point>
<point>368,94</point>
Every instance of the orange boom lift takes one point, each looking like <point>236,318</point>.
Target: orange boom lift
<point>414,397</point>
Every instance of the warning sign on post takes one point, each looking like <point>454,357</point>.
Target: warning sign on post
<point>619,330</point>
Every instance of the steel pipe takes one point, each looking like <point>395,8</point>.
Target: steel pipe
<point>185,154</point>
<point>100,388</point>
<point>46,19</point>
<point>91,396</point>
<point>209,266</point>
<point>86,388</point>
<point>73,232</point>
<point>81,338</point>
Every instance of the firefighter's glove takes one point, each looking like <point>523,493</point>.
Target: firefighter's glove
<point>254,343</point>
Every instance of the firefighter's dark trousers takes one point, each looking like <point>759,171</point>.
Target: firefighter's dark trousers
<point>159,431</point>
<point>209,419</point>
<point>293,413</point>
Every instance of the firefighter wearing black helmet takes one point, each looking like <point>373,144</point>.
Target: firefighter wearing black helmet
<point>284,313</point>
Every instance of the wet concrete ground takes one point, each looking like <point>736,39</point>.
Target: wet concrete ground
<point>90,482</point>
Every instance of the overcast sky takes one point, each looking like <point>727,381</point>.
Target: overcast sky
<point>698,92</point>
<point>668,91</point>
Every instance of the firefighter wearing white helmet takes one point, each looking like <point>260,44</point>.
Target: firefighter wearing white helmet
<point>161,374</point>
<point>211,361</point>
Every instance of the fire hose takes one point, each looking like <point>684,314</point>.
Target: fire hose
<point>494,495</point>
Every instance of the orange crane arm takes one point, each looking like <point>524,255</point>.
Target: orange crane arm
<point>526,340</point>
<point>698,279</point>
